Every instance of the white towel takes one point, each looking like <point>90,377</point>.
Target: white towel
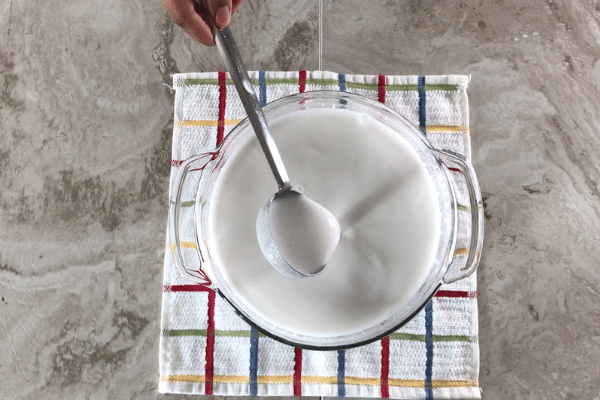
<point>206,349</point>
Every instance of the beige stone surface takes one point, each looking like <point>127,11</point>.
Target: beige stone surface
<point>85,130</point>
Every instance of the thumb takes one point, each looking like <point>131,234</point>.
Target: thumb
<point>221,11</point>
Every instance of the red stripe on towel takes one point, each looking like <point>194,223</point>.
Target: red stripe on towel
<point>385,366</point>
<point>297,371</point>
<point>186,288</point>
<point>222,97</point>
<point>210,345</point>
<point>455,293</point>
<point>302,80</point>
<point>381,88</point>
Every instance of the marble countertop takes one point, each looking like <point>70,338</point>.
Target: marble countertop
<point>86,119</point>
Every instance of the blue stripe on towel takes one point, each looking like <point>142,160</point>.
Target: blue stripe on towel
<point>262,88</point>
<point>342,82</point>
<point>429,349</point>
<point>422,109</point>
<point>253,361</point>
<point>341,373</point>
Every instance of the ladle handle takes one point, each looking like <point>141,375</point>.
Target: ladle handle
<point>243,84</point>
<point>455,272</point>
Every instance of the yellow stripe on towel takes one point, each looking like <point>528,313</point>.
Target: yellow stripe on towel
<point>446,128</point>
<point>183,243</point>
<point>332,380</point>
<point>183,378</point>
<point>460,252</point>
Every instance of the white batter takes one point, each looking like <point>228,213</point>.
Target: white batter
<point>371,180</point>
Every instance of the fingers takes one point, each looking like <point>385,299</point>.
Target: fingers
<point>183,14</point>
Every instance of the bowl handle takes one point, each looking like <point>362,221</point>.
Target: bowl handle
<point>459,163</point>
<point>182,207</point>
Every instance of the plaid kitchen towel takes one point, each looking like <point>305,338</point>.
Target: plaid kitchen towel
<point>206,348</point>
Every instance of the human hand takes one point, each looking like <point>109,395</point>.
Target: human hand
<point>184,14</point>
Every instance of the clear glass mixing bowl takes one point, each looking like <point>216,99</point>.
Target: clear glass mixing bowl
<point>456,186</point>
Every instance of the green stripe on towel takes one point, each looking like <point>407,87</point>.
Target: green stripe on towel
<point>436,338</point>
<point>327,82</point>
<point>202,332</point>
<point>244,333</point>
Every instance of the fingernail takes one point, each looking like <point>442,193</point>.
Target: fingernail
<point>222,16</point>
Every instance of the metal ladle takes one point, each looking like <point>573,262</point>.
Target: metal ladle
<point>322,233</point>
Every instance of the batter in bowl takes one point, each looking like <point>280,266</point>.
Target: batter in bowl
<point>373,182</point>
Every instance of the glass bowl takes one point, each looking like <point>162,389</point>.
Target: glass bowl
<point>457,197</point>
